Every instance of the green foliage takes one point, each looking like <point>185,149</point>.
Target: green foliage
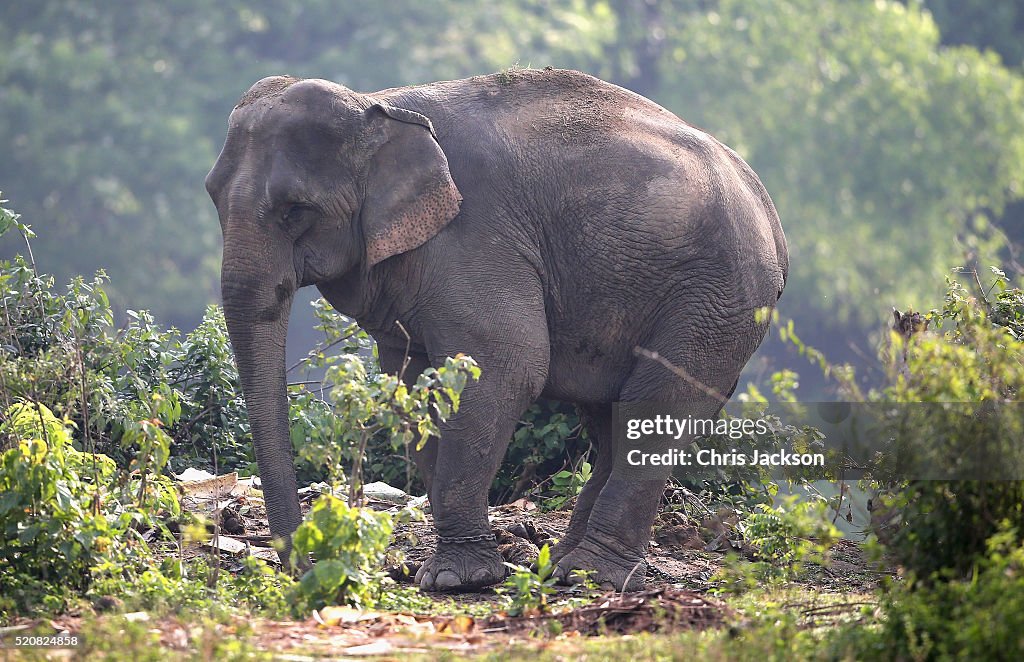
<point>784,538</point>
<point>65,515</point>
<point>126,387</point>
<point>566,486</point>
<point>975,359</point>
<point>214,427</point>
<point>71,523</point>
<point>116,638</point>
<point>366,407</point>
<point>348,545</point>
<point>788,535</point>
<point>956,390</point>
<point>979,617</point>
<point>359,420</point>
<point>1005,306</point>
<point>548,440</point>
<point>315,429</point>
<point>888,155</point>
<point>528,590</point>
<point>408,599</point>
<point>362,406</point>
<point>175,586</point>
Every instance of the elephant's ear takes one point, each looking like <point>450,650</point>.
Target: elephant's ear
<point>410,194</point>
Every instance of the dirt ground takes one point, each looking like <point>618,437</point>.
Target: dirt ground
<point>689,544</point>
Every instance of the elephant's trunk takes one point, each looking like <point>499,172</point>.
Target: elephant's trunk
<point>256,308</point>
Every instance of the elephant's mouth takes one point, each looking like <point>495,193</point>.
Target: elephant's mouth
<point>309,276</point>
<point>313,265</point>
<point>305,273</point>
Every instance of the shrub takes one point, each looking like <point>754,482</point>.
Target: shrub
<point>566,485</point>
<point>71,526</point>
<point>66,515</point>
<point>548,440</point>
<point>957,417</point>
<point>978,618</point>
<point>528,590</point>
<point>783,538</point>
<point>348,545</point>
<point>974,361</point>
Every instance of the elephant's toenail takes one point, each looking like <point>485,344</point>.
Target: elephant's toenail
<point>447,579</point>
<point>481,577</point>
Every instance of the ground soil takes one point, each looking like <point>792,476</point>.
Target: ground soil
<point>690,543</point>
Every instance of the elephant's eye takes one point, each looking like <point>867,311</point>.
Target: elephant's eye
<point>298,215</point>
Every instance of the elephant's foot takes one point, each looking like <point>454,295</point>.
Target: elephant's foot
<point>564,547</point>
<point>601,565</point>
<point>461,567</point>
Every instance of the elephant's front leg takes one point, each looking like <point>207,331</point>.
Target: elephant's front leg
<point>471,448</point>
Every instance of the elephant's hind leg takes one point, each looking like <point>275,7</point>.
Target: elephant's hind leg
<point>598,420</point>
<point>614,545</point>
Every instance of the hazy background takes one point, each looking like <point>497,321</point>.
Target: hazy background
<point>890,135</point>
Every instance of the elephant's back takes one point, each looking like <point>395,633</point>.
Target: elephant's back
<point>629,216</point>
<point>611,182</point>
<point>564,109</point>
<point>531,107</point>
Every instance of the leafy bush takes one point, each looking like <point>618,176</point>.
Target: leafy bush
<point>385,404</point>
<point>788,535</point>
<point>176,586</point>
<point>348,545</point>
<point>975,359</point>
<point>783,538</point>
<point>215,427</point>
<point>956,388</point>
<point>978,618</point>
<point>566,486</point>
<point>549,439</point>
<point>528,589</point>
<point>63,351</point>
<point>71,524</point>
<point>66,516</point>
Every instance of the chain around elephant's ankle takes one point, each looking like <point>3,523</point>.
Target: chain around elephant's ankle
<point>460,540</point>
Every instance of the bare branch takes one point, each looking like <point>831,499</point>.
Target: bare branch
<point>408,346</point>
<point>676,370</point>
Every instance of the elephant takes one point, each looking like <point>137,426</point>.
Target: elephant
<point>546,223</point>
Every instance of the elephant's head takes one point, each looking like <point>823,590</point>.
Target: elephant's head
<point>314,181</point>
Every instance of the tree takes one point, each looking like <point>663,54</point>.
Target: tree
<point>882,150</point>
<point>998,26</point>
<point>113,112</point>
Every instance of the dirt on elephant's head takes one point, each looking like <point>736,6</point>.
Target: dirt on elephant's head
<point>266,87</point>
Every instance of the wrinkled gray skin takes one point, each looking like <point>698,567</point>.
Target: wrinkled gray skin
<point>544,222</point>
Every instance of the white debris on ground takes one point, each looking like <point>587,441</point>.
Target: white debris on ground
<point>238,513</point>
